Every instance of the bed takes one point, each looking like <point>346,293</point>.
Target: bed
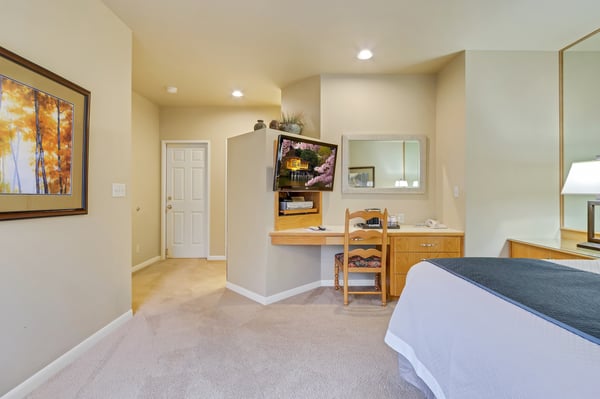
<point>457,339</point>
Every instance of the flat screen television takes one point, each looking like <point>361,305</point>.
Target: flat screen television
<point>304,165</point>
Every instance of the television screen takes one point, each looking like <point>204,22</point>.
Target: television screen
<point>304,165</point>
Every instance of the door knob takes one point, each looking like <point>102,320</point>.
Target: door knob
<point>169,206</point>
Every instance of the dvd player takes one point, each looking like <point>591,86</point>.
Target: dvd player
<point>289,205</point>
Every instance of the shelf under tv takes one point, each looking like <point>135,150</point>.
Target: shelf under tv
<point>300,217</point>
<point>298,211</point>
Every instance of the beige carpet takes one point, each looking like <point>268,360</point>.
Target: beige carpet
<point>192,338</point>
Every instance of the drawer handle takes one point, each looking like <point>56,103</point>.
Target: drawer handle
<point>427,245</point>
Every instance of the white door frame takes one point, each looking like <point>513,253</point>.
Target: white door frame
<point>163,192</point>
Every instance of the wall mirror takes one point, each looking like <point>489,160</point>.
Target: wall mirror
<point>580,120</point>
<point>384,164</point>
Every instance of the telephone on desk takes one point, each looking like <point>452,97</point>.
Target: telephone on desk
<point>434,224</point>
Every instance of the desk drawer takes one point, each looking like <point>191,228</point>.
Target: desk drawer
<point>403,261</point>
<point>427,244</point>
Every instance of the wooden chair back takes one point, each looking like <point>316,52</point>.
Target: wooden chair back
<point>358,259</point>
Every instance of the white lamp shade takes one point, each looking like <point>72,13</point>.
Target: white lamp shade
<point>583,178</point>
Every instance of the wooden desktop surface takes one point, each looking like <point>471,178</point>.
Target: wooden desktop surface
<point>334,235</point>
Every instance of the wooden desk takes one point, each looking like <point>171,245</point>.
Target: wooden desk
<point>407,245</point>
<point>550,249</point>
<point>334,235</point>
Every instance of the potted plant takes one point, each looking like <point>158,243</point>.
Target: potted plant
<point>292,122</point>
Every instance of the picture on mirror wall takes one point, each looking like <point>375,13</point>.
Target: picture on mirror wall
<point>361,176</point>
<point>44,125</point>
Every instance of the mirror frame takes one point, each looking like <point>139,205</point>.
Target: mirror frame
<point>347,189</point>
<point>561,125</point>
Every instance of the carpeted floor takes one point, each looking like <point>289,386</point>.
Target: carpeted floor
<point>192,338</point>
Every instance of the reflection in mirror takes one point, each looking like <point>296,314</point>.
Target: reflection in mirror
<point>580,64</point>
<point>383,164</point>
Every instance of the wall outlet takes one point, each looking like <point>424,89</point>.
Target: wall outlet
<point>400,218</point>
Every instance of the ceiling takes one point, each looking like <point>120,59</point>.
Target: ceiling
<point>207,48</point>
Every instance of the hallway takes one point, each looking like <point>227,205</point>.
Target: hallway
<point>175,279</point>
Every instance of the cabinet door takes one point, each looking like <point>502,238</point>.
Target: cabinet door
<point>403,261</point>
<point>397,282</point>
<point>409,250</point>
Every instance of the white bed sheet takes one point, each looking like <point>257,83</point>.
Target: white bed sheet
<point>457,341</point>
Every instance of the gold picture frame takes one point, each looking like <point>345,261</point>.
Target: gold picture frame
<point>44,132</point>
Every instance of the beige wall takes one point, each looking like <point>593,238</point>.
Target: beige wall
<point>304,97</point>
<point>145,181</point>
<point>382,104</point>
<point>511,162</point>
<point>450,144</point>
<point>376,104</point>
<point>253,264</point>
<point>214,124</point>
<point>64,278</point>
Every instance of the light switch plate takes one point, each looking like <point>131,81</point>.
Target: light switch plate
<point>119,190</point>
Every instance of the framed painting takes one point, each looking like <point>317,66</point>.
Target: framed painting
<point>44,129</point>
<point>361,176</point>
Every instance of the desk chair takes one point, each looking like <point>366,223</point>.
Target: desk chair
<point>360,259</point>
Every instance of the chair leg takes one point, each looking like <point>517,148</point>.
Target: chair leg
<point>336,275</point>
<point>377,282</point>
<point>383,278</point>
<point>345,286</point>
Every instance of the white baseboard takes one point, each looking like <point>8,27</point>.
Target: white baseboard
<point>267,300</point>
<point>247,293</point>
<point>150,261</point>
<point>27,386</point>
<point>294,291</point>
<point>144,264</point>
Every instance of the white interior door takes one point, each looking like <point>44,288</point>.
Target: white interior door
<point>186,203</point>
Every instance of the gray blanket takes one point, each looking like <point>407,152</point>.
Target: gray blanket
<point>567,297</point>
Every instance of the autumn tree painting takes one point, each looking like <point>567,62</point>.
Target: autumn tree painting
<point>36,141</point>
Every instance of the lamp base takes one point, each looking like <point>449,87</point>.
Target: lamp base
<point>589,245</point>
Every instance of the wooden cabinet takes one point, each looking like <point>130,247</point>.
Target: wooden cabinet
<point>405,251</point>
<point>558,250</point>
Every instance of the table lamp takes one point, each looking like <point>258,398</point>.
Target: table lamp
<point>584,178</point>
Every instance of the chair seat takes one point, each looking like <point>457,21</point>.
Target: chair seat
<point>359,261</point>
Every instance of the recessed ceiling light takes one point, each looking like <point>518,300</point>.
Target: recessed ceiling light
<point>171,89</point>
<point>237,93</point>
<point>364,54</point>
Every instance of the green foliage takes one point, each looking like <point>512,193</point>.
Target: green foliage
<point>297,118</point>
<point>324,152</point>
<point>310,156</point>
